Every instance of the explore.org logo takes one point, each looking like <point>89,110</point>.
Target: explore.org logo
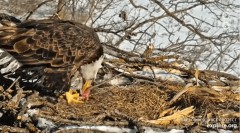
<point>224,126</point>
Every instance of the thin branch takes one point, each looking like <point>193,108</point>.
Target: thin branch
<point>131,1</point>
<point>38,6</point>
<point>232,62</point>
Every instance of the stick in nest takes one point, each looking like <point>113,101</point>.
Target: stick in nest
<point>180,93</point>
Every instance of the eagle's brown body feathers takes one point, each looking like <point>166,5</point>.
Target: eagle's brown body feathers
<point>59,47</point>
<point>51,42</point>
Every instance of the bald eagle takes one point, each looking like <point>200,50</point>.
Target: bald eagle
<point>60,48</point>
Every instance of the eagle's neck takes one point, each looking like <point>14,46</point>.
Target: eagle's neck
<point>89,71</point>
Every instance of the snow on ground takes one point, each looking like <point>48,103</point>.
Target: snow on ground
<point>122,130</point>
<point>127,130</point>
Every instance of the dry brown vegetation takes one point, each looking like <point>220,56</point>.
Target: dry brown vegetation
<point>191,108</point>
<point>204,99</point>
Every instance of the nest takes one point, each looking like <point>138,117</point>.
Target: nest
<point>133,106</point>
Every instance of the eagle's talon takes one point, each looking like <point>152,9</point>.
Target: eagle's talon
<point>73,96</point>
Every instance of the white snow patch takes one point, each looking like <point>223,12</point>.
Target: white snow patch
<point>163,75</point>
<point>44,123</point>
<point>119,80</point>
<point>103,128</point>
<point>121,130</point>
<point>32,112</point>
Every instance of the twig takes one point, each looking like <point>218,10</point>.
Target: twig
<point>131,120</point>
<point>38,6</point>
<point>81,123</point>
<point>8,89</point>
<point>129,74</point>
<point>154,74</point>
<point>13,129</point>
<point>232,62</point>
<point>131,1</point>
<point>187,87</point>
<point>105,81</point>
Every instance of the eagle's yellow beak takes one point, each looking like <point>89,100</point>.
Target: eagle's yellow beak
<point>85,92</point>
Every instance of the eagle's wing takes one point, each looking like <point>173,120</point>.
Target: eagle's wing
<point>54,43</point>
<point>58,48</point>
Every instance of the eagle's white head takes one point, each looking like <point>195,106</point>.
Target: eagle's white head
<point>89,73</point>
